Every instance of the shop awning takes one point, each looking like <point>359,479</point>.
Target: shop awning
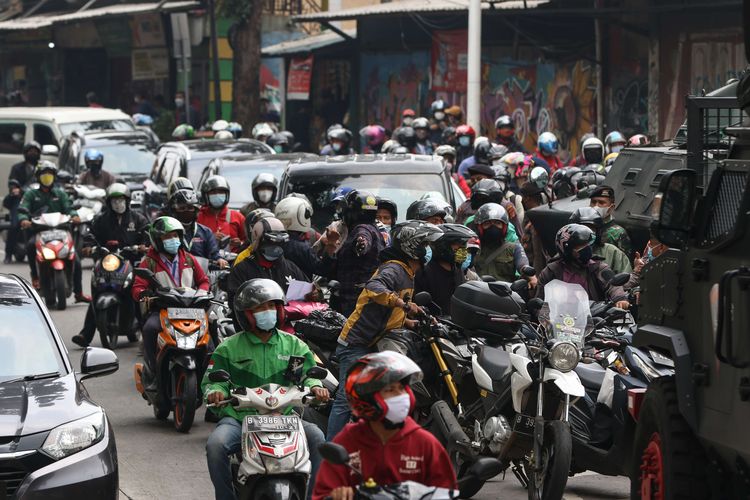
<point>307,44</point>
<point>126,9</point>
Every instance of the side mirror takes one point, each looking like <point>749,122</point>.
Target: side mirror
<point>674,207</point>
<point>317,372</point>
<point>488,279</point>
<point>620,279</point>
<point>96,362</point>
<point>50,150</point>
<point>334,453</point>
<point>423,299</point>
<point>521,287</point>
<point>219,376</point>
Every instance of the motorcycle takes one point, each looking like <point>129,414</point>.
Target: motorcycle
<point>274,461</point>
<point>88,202</point>
<point>183,351</point>
<point>55,257</point>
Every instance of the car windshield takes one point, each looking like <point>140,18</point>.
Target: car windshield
<point>240,179</point>
<point>30,350</point>
<point>124,156</point>
<point>403,189</point>
<point>120,125</point>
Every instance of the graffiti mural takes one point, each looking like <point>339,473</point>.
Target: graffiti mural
<point>629,108</point>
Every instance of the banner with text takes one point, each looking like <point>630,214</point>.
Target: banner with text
<point>449,60</point>
<point>300,75</point>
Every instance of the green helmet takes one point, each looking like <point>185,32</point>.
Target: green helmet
<point>182,132</point>
<point>118,189</point>
<point>162,226</point>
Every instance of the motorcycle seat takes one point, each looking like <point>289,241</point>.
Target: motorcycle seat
<point>496,362</point>
<point>591,375</point>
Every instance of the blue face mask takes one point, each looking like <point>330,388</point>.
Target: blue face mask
<point>217,200</point>
<point>464,141</point>
<point>427,255</point>
<point>466,263</point>
<point>265,320</point>
<point>172,245</point>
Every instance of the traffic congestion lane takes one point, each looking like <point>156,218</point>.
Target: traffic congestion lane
<point>157,462</point>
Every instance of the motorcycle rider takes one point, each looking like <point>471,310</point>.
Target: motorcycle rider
<point>217,216</point>
<point>573,264</point>
<point>24,171</point>
<point>421,128</point>
<point>11,202</point>
<point>481,156</point>
<point>259,309</point>
<point>428,210</point>
<point>437,120</point>
<point>592,151</point>
<point>250,220</point>
<point>602,198</point>
<point>485,191</point>
<point>264,189</point>
<point>391,447</point>
<point>406,137</point>
<point>547,146</point>
<point>407,117</point>
<point>506,134</point>
<point>465,136</point>
<point>383,304</point>
<point>48,198</point>
<point>339,142</point>
<point>614,142</point>
<point>387,213</point>
<point>498,257</point>
<point>296,215</point>
<point>442,275</point>
<point>173,267</point>
<point>115,227</point>
<point>200,241</point>
<point>279,142</point>
<point>95,175</point>
<point>607,252</point>
<point>374,136</point>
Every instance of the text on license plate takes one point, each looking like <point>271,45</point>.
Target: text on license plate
<point>523,424</point>
<point>185,313</point>
<point>271,423</point>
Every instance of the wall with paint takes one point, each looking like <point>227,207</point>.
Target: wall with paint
<point>626,83</point>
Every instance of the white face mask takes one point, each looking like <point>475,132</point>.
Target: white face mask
<point>264,195</point>
<point>119,205</point>
<point>398,408</point>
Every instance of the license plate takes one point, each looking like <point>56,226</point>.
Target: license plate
<point>183,313</point>
<point>524,424</point>
<point>57,234</point>
<point>271,423</point>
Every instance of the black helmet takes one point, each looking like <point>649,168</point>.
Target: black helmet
<point>562,181</point>
<point>449,135</point>
<point>13,183</point>
<point>452,233</point>
<point>31,145</point>
<point>420,122</point>
<point>496,153</point>
<point>390,205</point>
<point>407,137</point>
<point>569,237</point>
<point>491,211</point>
<point>265,180</point>
<point>340,134</point>
<point>504,121</point>
<point>587,215</point>
<point>179,183</point>
<point>253,293</point>
<point>482,152</point>
<point>424,209</point>
<point>486,191</point>
<point>253,217</point>
<point>214,183</point>
<point>412,237</point>
<point>279,142</point>
<point>183,205</point>
<point>359,207</point>
<point>162,226</point>
<point>289,137</point>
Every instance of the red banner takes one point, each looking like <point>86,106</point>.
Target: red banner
<point>300,75</point>
<point>449,59</point>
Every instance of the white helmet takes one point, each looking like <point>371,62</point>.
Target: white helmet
<point>295,214</point>
<point>262,131</point>
<point>219,125</point>
<point>223,135</point>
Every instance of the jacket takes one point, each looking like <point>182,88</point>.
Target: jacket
<point>440,283</point>
<point>618,236</point>
<point>553,161</point>
<point>202,242</point>
<point>254,267</point>
<point>252,363</point>
<point>35,201</point>
<point>22,172</point>
<point>591,278</point>
<point>103,180</point>
<point>127,229</point>
<point>376,311</point>
<point>192,274</point>
<point>464,166</point>
<point>229,222</point>
<point>413,454</point>
<point>501,262</point>
<point>299,251</point>
<point>253,205</point>
<point>613,257</point>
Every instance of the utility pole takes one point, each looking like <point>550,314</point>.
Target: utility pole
<point>474,65</point>
<point>599,73</point>
<point>215,60</point>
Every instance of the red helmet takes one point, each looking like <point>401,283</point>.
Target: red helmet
<point>408,112</point>
<point>466,130</point>
<point>373,372</point>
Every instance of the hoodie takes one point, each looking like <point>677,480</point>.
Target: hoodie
<point>411,455</point>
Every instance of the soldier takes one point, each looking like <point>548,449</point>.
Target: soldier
<point>603,200</point>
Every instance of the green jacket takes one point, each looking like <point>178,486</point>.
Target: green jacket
<point>613,257</point>
<point>252,363</point>
<point>54,200</point>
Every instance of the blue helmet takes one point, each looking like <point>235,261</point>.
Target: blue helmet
<point>93,155</point>
<point>547,143</point>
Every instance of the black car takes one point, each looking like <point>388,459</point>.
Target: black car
<point>55,442</point>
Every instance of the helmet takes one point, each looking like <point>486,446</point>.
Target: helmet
<point>45,166</point>
<point>219,125</point>
<point>466,130</point>
<point>491,211</point>
<point>390,205</point>
<point>420,122</point>
<point>593,150</point>
<point>214,183</point>
<point>445,150</point>
<point>373,134</point>
<point>587,215</point>
<point>268,230</point>
<point>289,137</point>
<point>235,128</point>
<point>253,293</point>
<point>389,146</point>
<point>547,143</point>
<point>182,132</point>
<point>539,177</point>
<point>253,217</point>
<point>118,189</point>
<point>408,112</point>
<point>179,184</point>
<point>562,181</point>
<point>279,142</point>
<point>485,191</point>
<point>614,142</point>
<point>359,207</point>
<point>424,209</point>
<point>504,121</point>
<point>183,197</point>
<point>31,145</point>
<point>639,140</point>
<point>295,214</point>
<point>262,131</point>
<point>482,151</point>
<point>331,129</point>
<point>452,233</point>
<point>437,105</point>
<point>93,159</point>
<point>223,135</point>
<point>610,159</point>
<point>496,153</point>
<point>406,136</point>
<point>571,236</point>
<point>162,226</point>
<point>370,374</point>
<point>264,180</point>
<point>13,183</point>
<point>412,236</point>
<point>340,134</point>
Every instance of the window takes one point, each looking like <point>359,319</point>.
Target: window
<point>12,137</point>
<point>44,135</point>
<point>121,125</point>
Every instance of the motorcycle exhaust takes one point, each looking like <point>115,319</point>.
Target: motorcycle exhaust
<point>449,431</point>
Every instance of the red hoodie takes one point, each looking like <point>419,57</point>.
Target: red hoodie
<point>229,222</point>
<point>411,455</point>
<point>153,261</point>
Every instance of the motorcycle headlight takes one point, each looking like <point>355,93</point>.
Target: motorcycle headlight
<point>48,254</point>
<point>74,436</point>
<point>111,263</point>
<point>564,356</point>
<point>186,341</point>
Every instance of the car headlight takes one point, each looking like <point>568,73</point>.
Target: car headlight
<point>564,356</point>
<point>74,436</point>
<point>111,263</point>
<point>48,254</point>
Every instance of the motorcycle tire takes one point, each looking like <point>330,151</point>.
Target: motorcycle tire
<point>20,255</point>
<point>186,399</point>
<point>134,336</point>
<point>60,289</point>
<point>557,452</point>
<point>109,334</point>
<point>161,412</point>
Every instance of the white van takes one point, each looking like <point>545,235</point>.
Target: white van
<point>47,126</point>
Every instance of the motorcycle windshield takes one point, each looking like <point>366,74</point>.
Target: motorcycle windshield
<point>566,315</point>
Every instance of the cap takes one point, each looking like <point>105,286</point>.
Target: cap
<point>603,192</point>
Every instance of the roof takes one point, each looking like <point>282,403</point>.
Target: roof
<point>62,114</point>
<point>202,148</point>
<point>366,164</point>
<point>245,159</point>
<point>414,6</point>
<point>124,9</point>
<point>307,44</point>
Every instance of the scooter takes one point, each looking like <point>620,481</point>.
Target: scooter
<point>183,347</point>
<point>275,461</point>
<point>88,202</point>
<point>55,257</point>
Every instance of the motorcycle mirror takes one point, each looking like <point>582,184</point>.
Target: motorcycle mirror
<point>520,286</point>
<point>334,453</point>
<point>90,238</point>
<point>528,271</point>
<point>616,312</point>
<point>488,279</point>
<point>219,376</point>
<point>599,322</point>
<point>423,299</point>
<point>620,279</point>
<point>501,289</point>
<point>317,372</point>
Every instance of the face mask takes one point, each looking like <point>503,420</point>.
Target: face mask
<point>584,255</point>
<point>439,115</point>
<point>96,169</point>
<point>272,252</point>
<point>278,148</point>
<point>398,408</point>
<point>427,255</point>
<point>336,146</point>
<point>119,205</point>
<point>616,149</point>
<point>179,102</point>
<point>465,265</point>
<point>264,195</point>
<point>493,235</point>
<point>464,141</point>
<point>217,200</point>
<point>649,255</point>
<point>172,245</point>
<point>185,217</point>
<point>46,180</point>
<point>32,159</point>
<point>265,320</point>
<point>603,212</point>
<point>460,256</point>
<point>407,121</point>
